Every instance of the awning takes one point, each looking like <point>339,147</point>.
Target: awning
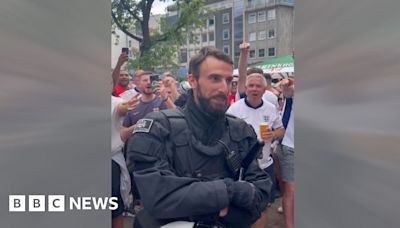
<point>282,64</point>
<point>277,67</point>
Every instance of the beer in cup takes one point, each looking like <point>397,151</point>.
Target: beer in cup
<point>264,128</point>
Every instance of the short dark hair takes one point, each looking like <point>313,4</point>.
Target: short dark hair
<point>199,57</point>
<point>255,70</point>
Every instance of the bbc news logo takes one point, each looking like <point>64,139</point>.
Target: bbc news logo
<point>57,203</point>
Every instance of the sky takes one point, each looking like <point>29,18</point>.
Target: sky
<point>159,7</point>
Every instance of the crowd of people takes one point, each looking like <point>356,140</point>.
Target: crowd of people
<point>211,150</point>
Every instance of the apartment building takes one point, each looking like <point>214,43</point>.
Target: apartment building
<point>268,28</point>
<point>266,24</point>
<point>218,31</point>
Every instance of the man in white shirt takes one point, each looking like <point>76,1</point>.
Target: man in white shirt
<point>121,182</point>
<point>286,153</point>
<point>269,95</point>
<point>255,111</point>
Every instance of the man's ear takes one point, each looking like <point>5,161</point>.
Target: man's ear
<point>192,81</point>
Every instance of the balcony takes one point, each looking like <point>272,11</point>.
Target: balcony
<point>257,4</point>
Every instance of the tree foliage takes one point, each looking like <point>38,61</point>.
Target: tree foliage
<point>158,49</point>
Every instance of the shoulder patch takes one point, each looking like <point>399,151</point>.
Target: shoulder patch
<point>143,125</point>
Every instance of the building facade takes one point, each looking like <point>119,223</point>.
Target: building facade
<point>268,28</point>
<point>218,32</point>
<point>266,24</point>
<point>119,39</point>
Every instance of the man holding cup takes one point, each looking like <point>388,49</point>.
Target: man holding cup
<point>264,118</point>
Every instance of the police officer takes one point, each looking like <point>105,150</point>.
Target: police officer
<point>198,164</point>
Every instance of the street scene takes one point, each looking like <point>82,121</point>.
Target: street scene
<point>202,120</point>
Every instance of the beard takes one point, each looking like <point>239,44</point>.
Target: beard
<point>123,84</point>
<point>147,91</point>
<point>207,106</point>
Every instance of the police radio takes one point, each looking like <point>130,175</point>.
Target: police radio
<point>232,158</point>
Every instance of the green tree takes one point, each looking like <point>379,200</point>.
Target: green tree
<point>158,49</point>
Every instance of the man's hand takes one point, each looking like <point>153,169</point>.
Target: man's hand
<point>123,57</point>
<point>115,74</point>
<point>223,212</point>
<point>242,194</point>
<point>157,89</point>
<point>267,136</point>
<point>244,47</point>
<point>133,102</point>
<point>287,85</point>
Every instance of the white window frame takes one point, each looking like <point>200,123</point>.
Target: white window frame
<point>272,37</point>
<point>226,46</point>
<point>191,53</point>
<point>259,53</point>
<point>260,37</point>
<point>225,18</point>
<point>209,22</point>
<point>252,15</point>
<point>204,34</point>
<point>271,14</point>
<point>252,36</point>
<point>274,52</point>
<point>213,33</point>
<point>223,32</point>
<point>261,18</point>
<point>181,53</point>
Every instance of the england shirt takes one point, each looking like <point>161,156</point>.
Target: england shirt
<point>265,112</point>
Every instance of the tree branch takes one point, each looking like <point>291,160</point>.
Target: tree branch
<point>164,36</point>
<point>123,29</point>
<point>132,13</point>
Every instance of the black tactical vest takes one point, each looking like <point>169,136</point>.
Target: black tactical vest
<point>189,157</point>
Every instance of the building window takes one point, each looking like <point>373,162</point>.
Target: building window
<point>252,36</point>
<point>226,49</point>
<point>225,18</point>
<point>262,35</point>
<point>261,53</point>
<point>225,34</point>
<point>204,37</point>
<point>191,38</point>
<point>130,43</point>
<point>271,51</point>
<point>211,22</point>
<point>183,56</point>
<point>211,36</point>
<point>271,33</point>
<point>252,54</point>
<point>261,16</point>
<point>191,53</point>
<point>252,18</point>
<point>271,14</point>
